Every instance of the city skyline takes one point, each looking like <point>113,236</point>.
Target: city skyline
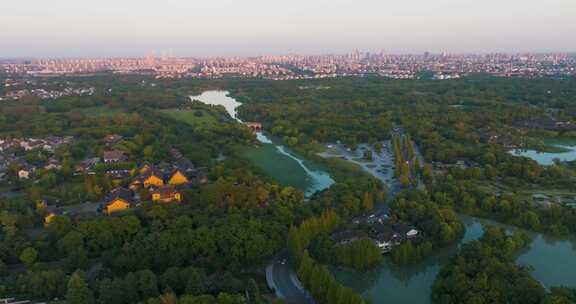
<point>159,54</point>
<point>68,29</point>
<point>287,67</point>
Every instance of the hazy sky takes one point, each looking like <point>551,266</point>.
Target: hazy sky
<point>255,27</point>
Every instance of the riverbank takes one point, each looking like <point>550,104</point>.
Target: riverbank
<point>287,166</point>
<point>552,258</point>
<point>563,150</point>
<point>271,156</point>
<point>390,283</point>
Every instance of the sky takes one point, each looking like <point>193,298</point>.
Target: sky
<point>199,28</point>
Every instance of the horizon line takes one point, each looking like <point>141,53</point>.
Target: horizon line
<point>154,55</point>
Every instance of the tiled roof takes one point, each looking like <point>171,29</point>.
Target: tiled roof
<point>119,193</point>
<point>114,154</point>
<point>165,189</point>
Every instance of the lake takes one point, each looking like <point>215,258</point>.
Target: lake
<point>219,98</point>
<point>553,260</point>
<point>271,156</point>
<point>547,158</point>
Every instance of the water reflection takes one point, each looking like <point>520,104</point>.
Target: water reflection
<point>281,164</point>
<point>553,260</point>
<point>547,158</point>
<point>319,180</point>
<point>262,138</point>
<point>219,98</point>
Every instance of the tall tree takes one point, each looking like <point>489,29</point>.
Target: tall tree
<point>29,256</point>
<point>78,291</point>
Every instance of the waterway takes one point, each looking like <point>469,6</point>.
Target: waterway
<point>282,164</point>
<point>552,258</point>
<point>219,98</point>
<point>547,158</point>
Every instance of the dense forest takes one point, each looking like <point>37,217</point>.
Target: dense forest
<point>484,272</point>
<point>213,246</point>
<point>463,128</point>
<point>196,251</point>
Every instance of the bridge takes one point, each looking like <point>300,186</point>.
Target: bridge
<point>254,126</point>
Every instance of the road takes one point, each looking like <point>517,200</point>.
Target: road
<point>279,273</point>
<point>283,278</point>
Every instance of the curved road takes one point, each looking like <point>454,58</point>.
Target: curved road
<point>284,281</point>
<point>279,273</point>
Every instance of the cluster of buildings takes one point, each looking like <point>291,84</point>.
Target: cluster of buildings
<point>385,232</point>
<point>385,235</point>
<point>160,183</point>
<point>47,94</point>
<point>8,154</point>
<point>17,88</point>
<point>87,66</point>
<point>49,143</point>
<point>26,170</point>
<point>161,67</point>
<point>294,66</point>
<point>240,67</point>
<point>441,66</point>
<point>117,165</point>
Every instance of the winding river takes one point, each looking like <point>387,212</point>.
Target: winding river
<point>553,259</point>
<point>271,156</point>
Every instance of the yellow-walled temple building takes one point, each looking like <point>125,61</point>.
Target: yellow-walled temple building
<point>119,199</point>
<point>166,194</point>
<point>177,178</point>
<point>51,213</point>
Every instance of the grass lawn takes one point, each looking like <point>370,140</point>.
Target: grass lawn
<point>191,116</point>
